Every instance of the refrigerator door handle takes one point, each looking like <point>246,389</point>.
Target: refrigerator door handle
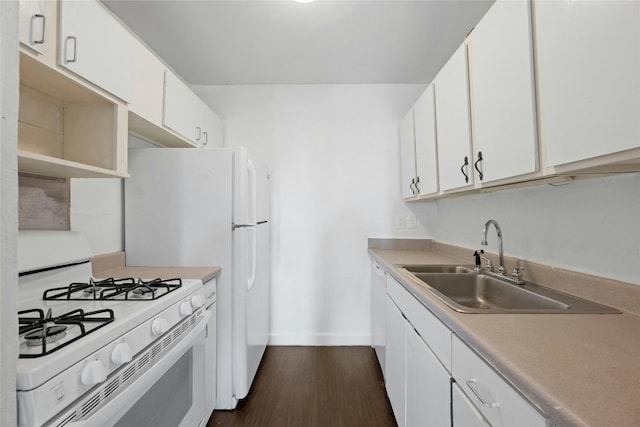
<point>251,280</point>
<point>236,226</point>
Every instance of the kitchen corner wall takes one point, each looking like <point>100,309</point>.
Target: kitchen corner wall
<point>333,155</point>
<point>591,225</point>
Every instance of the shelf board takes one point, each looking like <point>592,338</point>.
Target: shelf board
<point>39,164</point>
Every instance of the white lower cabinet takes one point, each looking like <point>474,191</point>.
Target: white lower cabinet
<point>428,385</point>
<point>434,379</point>
<point>417,381</point>
<point>498,402</point>
<point>396,362</point>
<point>463,412</point>
<point>378,311</point>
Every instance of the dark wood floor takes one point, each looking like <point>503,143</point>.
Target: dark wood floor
<point>313,386</point>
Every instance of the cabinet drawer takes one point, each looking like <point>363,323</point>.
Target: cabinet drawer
<point>464,412</point>
<point>433,332</point>
<point>498,402</point>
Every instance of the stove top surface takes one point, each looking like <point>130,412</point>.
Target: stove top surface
<point>113,289</point>
<point>42,333</point>
<point>44,357</point>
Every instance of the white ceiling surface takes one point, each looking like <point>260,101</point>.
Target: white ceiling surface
<point>284,42</point>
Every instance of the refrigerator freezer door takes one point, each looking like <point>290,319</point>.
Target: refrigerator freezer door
<point>262,191</point>
<point>251,189</point>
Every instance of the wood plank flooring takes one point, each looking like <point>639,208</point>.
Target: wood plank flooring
<point>315,387</point>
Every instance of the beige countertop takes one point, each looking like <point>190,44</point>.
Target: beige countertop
<point>578,369</point>
<point>113,265</point>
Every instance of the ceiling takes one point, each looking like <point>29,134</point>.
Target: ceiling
<point>284,42</point>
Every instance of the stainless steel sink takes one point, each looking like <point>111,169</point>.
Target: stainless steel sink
<point>466,291</point>
<point>479,291</point>
<point>438,268</point>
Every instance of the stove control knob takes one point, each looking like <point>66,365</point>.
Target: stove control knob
<point>159,326</point>
<point>196,301</point>
<point>93,373</point>
<point>121,353</point>
<point>185,308</point>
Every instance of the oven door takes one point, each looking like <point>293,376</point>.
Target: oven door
<point>171,393</point>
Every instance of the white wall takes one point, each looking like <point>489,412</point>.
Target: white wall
<point>8,209</point>
<point>591,225</point>
<point>333,155</point>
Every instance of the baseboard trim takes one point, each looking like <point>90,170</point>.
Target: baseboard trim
<point>319,339</point>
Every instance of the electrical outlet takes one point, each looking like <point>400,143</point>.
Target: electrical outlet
<point>401,222</point>
<point>411,220</point>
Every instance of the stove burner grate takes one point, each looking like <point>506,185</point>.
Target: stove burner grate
<point>114,289</point>
<point>48,333</point>
<point>45,330</point>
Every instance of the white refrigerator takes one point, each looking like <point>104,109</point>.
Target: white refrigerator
<point>204,207</point>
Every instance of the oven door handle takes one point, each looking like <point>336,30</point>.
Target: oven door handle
<point>128,397</point>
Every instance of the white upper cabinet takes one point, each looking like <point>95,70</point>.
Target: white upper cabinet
<point>588,57</point>
<point>212,129</point>
<point>425,141</point>
<point>148,87</point>
<point>455,161</point>
<point>503,92</point>
<point>407,156</point>
<point>181,108</point>
<point>190,119</point>
<point>33,22</point>
<point>186,114</point>
<point>96,47</point>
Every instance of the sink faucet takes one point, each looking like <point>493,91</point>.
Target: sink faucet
<point>484,241</point>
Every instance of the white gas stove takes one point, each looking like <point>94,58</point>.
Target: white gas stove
<point>86,344</point>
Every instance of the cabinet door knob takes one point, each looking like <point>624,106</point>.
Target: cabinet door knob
<point>44,21</point>
<point>416,185</point>
<point>199,129</point>
<point>465,164</point>
<point>475,165</point>
<point>75,49</point>
<point>206,138</point>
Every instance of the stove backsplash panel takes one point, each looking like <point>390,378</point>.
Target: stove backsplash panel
<point>43,203</point>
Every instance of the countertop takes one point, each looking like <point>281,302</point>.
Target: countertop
<point>578,369</point>
<point>114,265</point>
